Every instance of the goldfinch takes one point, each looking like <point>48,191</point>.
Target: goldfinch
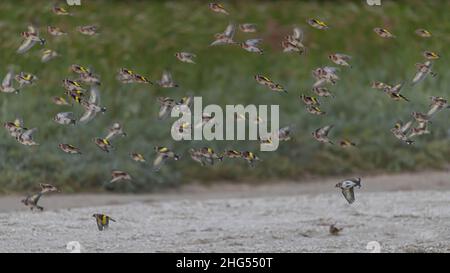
<point>186,57</point>
<point>321,134</point>
<point>69,149</point>
<point>102,221</point>
<point>119,176</point>
<point>383,33</point>
<point>217,7</point>
<point>347,187</point>
<point>316,23</point>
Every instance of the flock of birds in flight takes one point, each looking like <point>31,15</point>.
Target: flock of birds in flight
<point>324,76</point>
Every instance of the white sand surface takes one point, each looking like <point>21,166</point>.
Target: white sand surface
<point>403,213</point>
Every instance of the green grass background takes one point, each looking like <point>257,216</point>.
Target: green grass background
<point>144,35</point>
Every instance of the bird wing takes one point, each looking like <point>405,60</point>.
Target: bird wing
<point>298,34</point>
<point>35,197</point>
<point>230,30</point>
<point>68,115</point>
<point>344,56</point>
<point>433,110</point>
<point>406,127</point>
<point>349,195</point>
<point>284,132</point>
<point>163,111</point>
<point>88,116</point>
<point>324,130</point>
<point>319,83</point>
<point>94,97</point>
<point>29,133</point>
<point>7,80</point>
<point>159,160</point>
<point>99,222</point>
<point>396,88</point>
<point>25,46</point>
<point>330,69</point>
<point>166,77</point>
<point>253,42</point>
<point>420,75</point>
<point>32,29</point>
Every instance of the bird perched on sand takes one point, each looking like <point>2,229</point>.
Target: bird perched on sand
<point>226,37</point>
<point>334,230</point>
<point>247,28</point>
<point>347,187</point>
<point>186,57</point>
<point>423,69</point>
<point>89,30</point>
<point>400,131</point>
<point>383,33</point>
<point>30,38</point>
<point>423,33</point>
<point>318,24</point>
<point>167,81</point>
<point>217,7</point>
<point>65,118</point>
<point>69,149</point>
<point>163,154</point>
<point>293,43</point>
<point>340,59</point>
<point>119,176</point>
<point>55,31</point>
<point>7,85</point>
<point>321,134</point>
<point>102,221</point>
<point>251,45</point>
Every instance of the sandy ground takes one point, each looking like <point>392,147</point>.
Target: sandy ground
<point>402,213</point>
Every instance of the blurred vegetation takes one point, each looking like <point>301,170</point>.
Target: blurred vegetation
<point>144,35</point>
